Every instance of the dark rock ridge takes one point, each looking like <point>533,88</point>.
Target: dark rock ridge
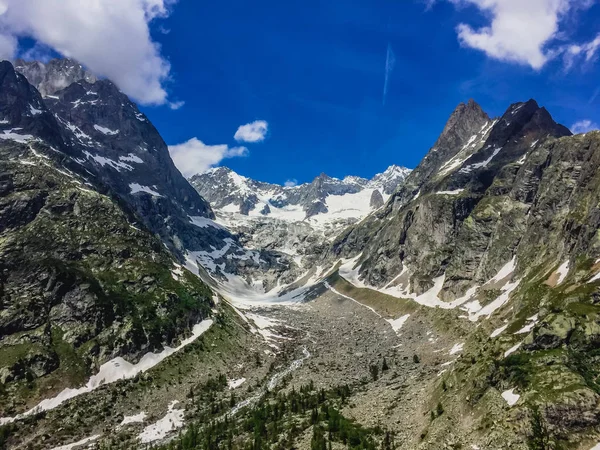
<point>111,143</point>
<point>106,134</point>
<point>444,218</point>
<point>96,132</point>
<point>376,200</point>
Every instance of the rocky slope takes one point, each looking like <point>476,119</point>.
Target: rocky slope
<point>503,229</point>
<point>467,170</point>
<point>106,134</point>
<point>82,279</point>
<point>54,75</point>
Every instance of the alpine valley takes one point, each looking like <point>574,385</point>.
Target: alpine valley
<point>453,306</point>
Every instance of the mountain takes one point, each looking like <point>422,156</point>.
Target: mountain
<point>108,139</point>
<point>324,199</point>
<point>107,136</point>
<point>498,227</point>
<point>294,222</point>
<point>54,75</point>
<point>459,176</point>
<point>452,306</point>
<point>84,282</point>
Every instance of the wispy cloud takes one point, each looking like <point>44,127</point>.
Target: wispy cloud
<point>585,52</point>
<point>194,156</point>
<point>176,105</point>
<point>583,126</point>
<point>252,132</point>
<point>291,183</point>
<point>428,4</point>
<point>390,62</point>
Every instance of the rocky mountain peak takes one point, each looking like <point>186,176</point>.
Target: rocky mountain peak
<point>536,118</point>
<point>465,120</point>
<point>101,134</point>
<point>23,114</point>
<point>54,75</point>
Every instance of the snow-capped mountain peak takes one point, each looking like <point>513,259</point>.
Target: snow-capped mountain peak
<point>323,200</point>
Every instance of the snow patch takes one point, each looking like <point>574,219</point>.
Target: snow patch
<point>594,278</point>
<point>533,320</point>
<point>131,158</point>
<point>203,222</point>
<point>398,323</point>
<point>562,272</point>
<point>497,331</point>
<point>457,348</point>
<point>513,349</point>
<point>502,299</point>
<point>87,440</point>
<point>510,397</point>
<point>10,135</point>
<point>161,428</point>
<point>505,271</point>
<point>481,164</point>
<point>454,192</point>
<point>106,131</point>
<point>103,161</point>
<point>34,111</point>
<point>135,188</point>
<point>136,418</point>
<point>233,384</point>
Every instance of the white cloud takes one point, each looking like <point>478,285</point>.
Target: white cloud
<point>583,126</point>
<point>110,37</point>
<point>252,132</point>
<point>519,29</point>
<point>194,156</point>
<point>524,31</point>
<point>586,52</point>
<point>176,105</point>
<point>291,183</point>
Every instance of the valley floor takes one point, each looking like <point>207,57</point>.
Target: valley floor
<point>328,342</point>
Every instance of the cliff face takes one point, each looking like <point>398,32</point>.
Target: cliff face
<point>503,228</point>
<point>444,219</point>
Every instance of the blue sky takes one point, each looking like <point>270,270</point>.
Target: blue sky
<point>315,71</point>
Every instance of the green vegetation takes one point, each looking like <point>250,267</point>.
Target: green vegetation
<point>276,422</point>
<point>83,282</point>
<point>383,303</point>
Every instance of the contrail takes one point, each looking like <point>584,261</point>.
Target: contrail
<point>390,62</point>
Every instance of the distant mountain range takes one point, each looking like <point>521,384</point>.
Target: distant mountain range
<point>325,199</point>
